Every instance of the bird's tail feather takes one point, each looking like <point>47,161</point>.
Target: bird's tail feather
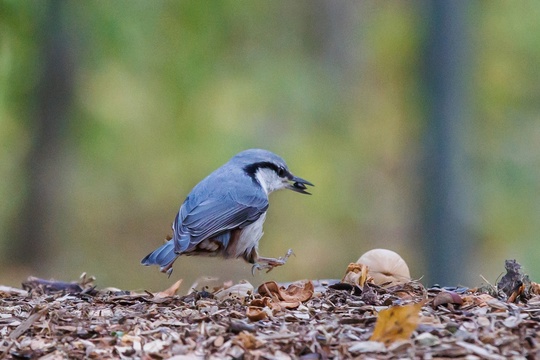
<point>164,256</point>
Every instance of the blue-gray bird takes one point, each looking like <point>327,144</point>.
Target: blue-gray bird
<point>224,213</point>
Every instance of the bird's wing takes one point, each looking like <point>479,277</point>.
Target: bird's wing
<point>211,217</point>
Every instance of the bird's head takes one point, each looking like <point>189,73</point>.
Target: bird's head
<point>270,171</point>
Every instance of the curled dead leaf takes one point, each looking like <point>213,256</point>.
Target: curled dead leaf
<point>356,274</point>
<point>262,308</point>
<point>517,293</point>
<point>275,298</point>
<point>256,313</point>
<point>295,293</point>
<point>535,288</point>
<point>447,297</point>
<point>261,302</point>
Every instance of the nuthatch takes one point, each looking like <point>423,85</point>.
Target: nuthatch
<point>224,213</point>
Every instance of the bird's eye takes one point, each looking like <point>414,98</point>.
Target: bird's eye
<point>281,172</point>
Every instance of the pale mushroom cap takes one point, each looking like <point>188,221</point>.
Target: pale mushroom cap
<point>385,266</point>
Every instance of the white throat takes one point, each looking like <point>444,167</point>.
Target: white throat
<point>269,180</point>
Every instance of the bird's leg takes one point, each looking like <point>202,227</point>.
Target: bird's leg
<point>270,263</point>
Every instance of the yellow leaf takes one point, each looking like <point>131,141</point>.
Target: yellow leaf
<point>396,323</point>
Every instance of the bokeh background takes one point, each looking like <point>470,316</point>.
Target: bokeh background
<point>417,121</point>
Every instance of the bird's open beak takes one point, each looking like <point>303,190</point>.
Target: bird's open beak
<point>299,185</point>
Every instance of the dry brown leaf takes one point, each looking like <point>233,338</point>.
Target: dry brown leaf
<point>275,298</point>
<point>256,313</point>
<point>261,302</point>
<point>296,292</point>
<point>447,297</point>
<point>535,288</point>
<point>171,291</point>
<point>261,308</point>
<point>396,323</point>
<point>270,289</point>
<point>356,274</point>
<point>517,292</point>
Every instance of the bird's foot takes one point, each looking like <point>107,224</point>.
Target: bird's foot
<point>167,270</point>
<point>264,263</point>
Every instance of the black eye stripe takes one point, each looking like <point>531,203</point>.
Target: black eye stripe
<point>252,168</point>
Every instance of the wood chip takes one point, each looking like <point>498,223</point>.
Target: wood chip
<point>334,324</point>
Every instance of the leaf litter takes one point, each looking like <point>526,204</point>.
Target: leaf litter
<point>332,319</point>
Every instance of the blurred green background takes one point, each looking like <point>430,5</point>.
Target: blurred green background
<point>111,111</point>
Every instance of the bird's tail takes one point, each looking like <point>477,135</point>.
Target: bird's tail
<point>164,256</point>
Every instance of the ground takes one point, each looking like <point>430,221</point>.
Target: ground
<point>302,320</point>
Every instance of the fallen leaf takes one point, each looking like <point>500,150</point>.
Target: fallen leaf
<point>356,274</point>
<point>296,292</point>
<point>516,293</point>
<point>171,291</point>
<point>255,313</point>
<point>447,297</point>
<point>275,298</point>
<point>261,308</point>
<point>535,288</point>
<point>396,323</point>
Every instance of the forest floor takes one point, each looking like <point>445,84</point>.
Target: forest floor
<point>302,320</point>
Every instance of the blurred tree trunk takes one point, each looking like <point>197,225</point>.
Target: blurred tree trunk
<point>35,229</point>
<point>447,211</point>
<point>332,31</point>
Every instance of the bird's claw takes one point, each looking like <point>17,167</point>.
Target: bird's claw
<point>270,263</point>
<point>255,267</point>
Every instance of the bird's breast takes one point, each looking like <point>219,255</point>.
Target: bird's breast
<point>245,240</point>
